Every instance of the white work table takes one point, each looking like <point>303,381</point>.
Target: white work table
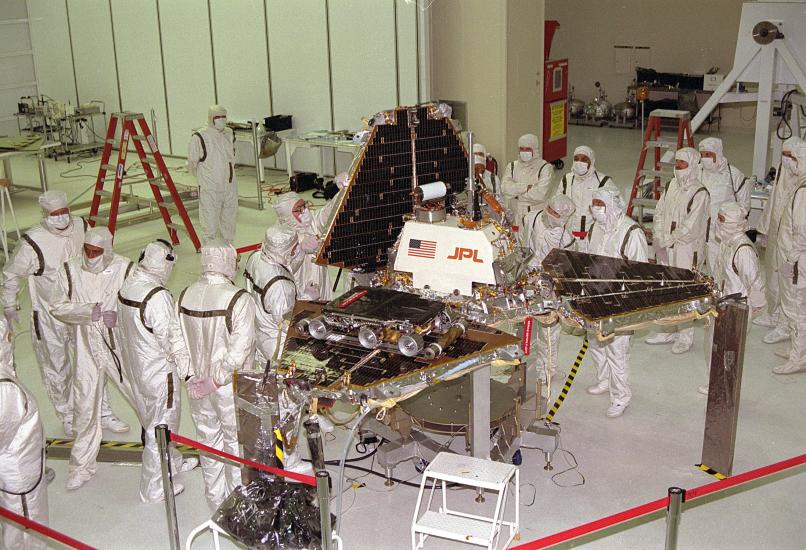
<point>321,140</point>
<point>40,153</point>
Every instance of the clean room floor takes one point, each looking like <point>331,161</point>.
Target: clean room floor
<point>625,462</point>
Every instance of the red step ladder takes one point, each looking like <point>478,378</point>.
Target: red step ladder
<point>646,187</point>
<point>159,181</point>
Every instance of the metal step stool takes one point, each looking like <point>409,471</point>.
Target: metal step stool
<point>468,528</point>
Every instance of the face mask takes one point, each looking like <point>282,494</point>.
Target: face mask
<point>163,273</point>
<point>305,218</point>
<point>220,123</point>
<point>708,164</point>
<point>719,232</point>
<point>94,265</point>
<point>478,159</point>
<point>59,223</point>
<point>580,168</point>
<point>599,213</point>
<point>683,175</point>
<point>790,164</point>
<point>525,156</point>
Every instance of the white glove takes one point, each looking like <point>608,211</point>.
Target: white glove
<point>662,255</point>
<point>96,313</point>
<point>312,292</point>
<point>309,244</point>
<point>342,180</point>
<point>201,387</point>
<point>110,318</point>
<point>11,315</point>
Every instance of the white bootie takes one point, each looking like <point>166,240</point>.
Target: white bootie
<point>778,334</point>
<point>766,320</point>
<point>682,345</point>
<point>114,424</point>
<point>616,409</point>
<point>188,464</point>
<point>599,389</point>
<point>789,368</point>
<point>661,338</point>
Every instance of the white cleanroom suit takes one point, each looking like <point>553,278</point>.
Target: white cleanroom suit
<point>543,231</point>
<point>680,231</point>
<point>271,284</point>
<point>218,324</point>
<point>725,183</point>
<point>85,297</point>
<point>313,281</point>
<point>791,256</point>
<point>211,158</point>
<point>38,256</point>
<point>579,184</point>
<point>786,181</point>
<point>737,269</point>
<point>23,488</point>
<point>491,181</point>
<point>526,182</point>
<point>154,359</point>
<point>616,235</point>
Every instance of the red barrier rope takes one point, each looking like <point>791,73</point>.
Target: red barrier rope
<point>654,506</point>
<point>248,248</point>
<point>44,530</point>
<point>302,478</point>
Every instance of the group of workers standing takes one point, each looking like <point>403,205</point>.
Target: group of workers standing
<point>700,222</point>
<point>96,315</point>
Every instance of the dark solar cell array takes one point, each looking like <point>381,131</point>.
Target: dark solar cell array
<point>598,300</point>
<point>371,217</point>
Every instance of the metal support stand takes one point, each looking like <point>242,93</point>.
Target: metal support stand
<point>322,479</point>
<point>674,510</point>
<point>480,402</point>
<point>6,205</point>
<point>258,163</point>
<point>163,441</point>
<point>480,426</point>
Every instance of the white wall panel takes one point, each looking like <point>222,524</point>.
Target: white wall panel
<point>407,67</point>
<point>14,37</point>
<point>51,43</point>
<point>299,69</point>
<point>241,66</point>
<point>92,47</point>
<point>13,9</point>
<point>139,62</point>
<point>362,46</point>
<point>188,67</point>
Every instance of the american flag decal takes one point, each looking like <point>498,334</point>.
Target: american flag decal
<point>422,249</point>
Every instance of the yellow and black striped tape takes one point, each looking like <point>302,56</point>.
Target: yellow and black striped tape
<point>568,381</point>
<point>128,445</point>
<point>711,471</point>
<point>278,446</point>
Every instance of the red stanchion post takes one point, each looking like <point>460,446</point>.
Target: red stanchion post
<point>163,440</point>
